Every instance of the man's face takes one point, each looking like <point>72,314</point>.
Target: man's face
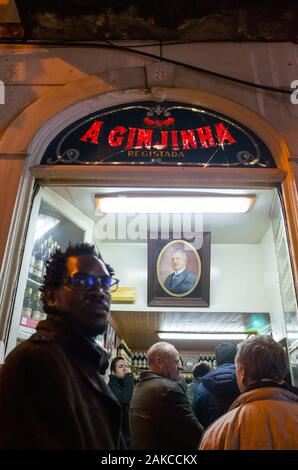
<point>170,365</point>
<point>121,369</point>
<point>178,261</point>
<point>88,307</point>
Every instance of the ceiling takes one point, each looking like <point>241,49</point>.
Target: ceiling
<point>139,329</point>
<point>167,20</point>
<point>225,228</point>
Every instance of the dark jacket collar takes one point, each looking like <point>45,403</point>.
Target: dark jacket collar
<point>70,336</point>
<point>265,384</point>
<point>115,380</point>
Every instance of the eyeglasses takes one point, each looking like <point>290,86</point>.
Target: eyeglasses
<point>82,281</point>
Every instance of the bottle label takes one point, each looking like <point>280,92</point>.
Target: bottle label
<point>38,269</point>
<point>36,315</point>
<point>32,263</point>
<point>26,312</point>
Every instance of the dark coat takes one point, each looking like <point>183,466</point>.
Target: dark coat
<point>52,395</point>
<point>161,417</point>
<point>122,389</point>
<point>192,387</point>
<point>183,283</point>
<point>215,394</point>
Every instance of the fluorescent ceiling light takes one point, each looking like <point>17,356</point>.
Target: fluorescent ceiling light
<point>44,224</point>
<point>221,336</point>
<point>174,204</point>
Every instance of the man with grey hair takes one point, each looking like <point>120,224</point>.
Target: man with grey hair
<point>160,414</point>
<point>265,415</point>
<point>181,280</point>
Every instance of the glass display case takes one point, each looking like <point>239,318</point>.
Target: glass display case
<point>54,223</point>
<point>287,289</point>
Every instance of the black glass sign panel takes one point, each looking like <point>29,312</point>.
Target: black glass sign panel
<point>150,133</point>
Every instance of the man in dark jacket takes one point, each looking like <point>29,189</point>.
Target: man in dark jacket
<point>218,388</point>
<point>181,280</point>
<point>160,416</point>
<point>52,395</point>
<point>198,372</point>
<point>121,384</point>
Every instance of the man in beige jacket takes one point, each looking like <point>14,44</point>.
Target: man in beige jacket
<point>265,415</point>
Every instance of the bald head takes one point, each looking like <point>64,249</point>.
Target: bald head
<point>163,359</point>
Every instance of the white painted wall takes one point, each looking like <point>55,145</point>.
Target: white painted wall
<point>237,278</point>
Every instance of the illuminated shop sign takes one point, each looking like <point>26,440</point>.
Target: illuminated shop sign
<point>150,133</point>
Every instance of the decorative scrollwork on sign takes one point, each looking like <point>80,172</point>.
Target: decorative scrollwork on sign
<point>69,156</point>
<point>247,158</point>
<point>158,110</point>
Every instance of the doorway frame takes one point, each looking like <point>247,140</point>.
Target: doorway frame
<point>42,120</point>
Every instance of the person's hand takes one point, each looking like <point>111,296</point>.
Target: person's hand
<point>128,370</point>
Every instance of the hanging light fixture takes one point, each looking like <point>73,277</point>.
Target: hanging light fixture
<point>174,204</point>
<point>202,336</point>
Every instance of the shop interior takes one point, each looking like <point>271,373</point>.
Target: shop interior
<point>250,291</point>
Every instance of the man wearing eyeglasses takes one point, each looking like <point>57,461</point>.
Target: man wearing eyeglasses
<point>52,395</point>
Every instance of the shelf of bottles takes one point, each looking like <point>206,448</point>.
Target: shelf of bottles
<point>124,352</point>
<point>32,311</point>
<point>209,358</point>
<point>200,357</point>
<point>139,360</point>
<point>139,364</point>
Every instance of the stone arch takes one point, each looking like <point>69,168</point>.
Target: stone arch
<point>44,118</point>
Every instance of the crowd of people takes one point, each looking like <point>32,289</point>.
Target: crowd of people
<point>53,394</point>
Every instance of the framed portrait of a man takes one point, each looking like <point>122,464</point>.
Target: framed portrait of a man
<point>178,272</point>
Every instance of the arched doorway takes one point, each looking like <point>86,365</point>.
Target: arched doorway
<point>64,108</point>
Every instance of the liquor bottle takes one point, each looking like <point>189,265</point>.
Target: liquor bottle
<point>120,351</point>
<point>38,266</point>
<point>137,360</point>
<point>48,250</point>
<point>134,361</point>
<point>33,258</point>
<point>144,362</point>
<point>140,361</point>
<point>27,305</point>
<point>36,314</point>
<point>43,316</point>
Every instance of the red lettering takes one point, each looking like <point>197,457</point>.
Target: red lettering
<point>164,141</point>
<point>174,140</point>
<point>188,139</point>
<point>131,136</point>
<point>93,133</point>
<point>206,137</point>
<point>223,134</point>
<point>144,138</point>
<point>116,141</point>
